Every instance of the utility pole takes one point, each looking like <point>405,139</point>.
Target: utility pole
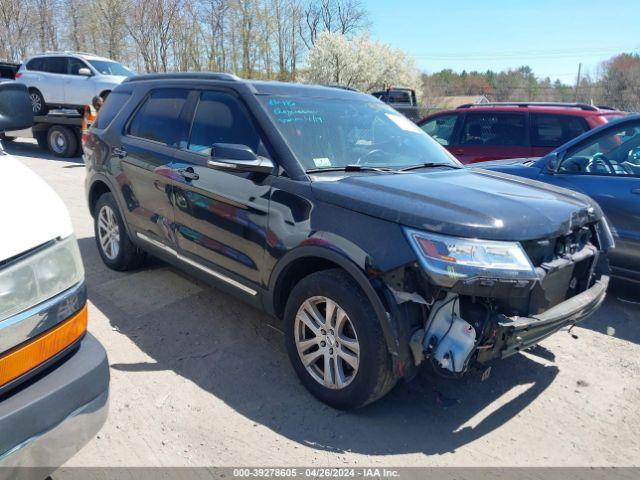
<point>578,80</point>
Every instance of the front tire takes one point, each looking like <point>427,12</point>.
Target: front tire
<point>115,247</point>
<point>335,342</point>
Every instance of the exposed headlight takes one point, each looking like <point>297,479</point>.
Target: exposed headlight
<point>38,277</point>
<point>449,259</point>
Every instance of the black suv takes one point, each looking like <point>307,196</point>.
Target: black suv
<point>339,216</point>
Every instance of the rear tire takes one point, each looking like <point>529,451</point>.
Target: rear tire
<point>62,141</point>
<point>38,106</point>
<point>41,138</point>
<point>353,349</point>
<point>115,246</point>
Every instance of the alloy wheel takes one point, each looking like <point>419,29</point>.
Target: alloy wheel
<point>108,232</point>
<point>327,342</point>
<point>36,102</point>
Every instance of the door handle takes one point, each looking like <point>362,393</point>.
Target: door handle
<point>188,173</point>
<point>458,151</point>
<point>636,191</point>
<point>119,152</point>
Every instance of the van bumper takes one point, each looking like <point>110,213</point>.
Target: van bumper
<point>46,421</point>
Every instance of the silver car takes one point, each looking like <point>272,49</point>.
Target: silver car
<point>68,79</point>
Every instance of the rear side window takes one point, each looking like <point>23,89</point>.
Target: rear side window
<point>554,130</point>
<point>221,118</point>
<point>159,117</point>
<point>441,128</point>
<point>494,129</point>
<point>35,64</point>
<point>399,97</point>
<point>54,65</point>
<point>114,103</point>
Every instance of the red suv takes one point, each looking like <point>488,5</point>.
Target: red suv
<point>493,131</point>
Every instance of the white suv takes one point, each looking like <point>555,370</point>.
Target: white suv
<point>69,80</point>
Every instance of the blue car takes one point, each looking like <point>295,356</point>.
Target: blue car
<point>603,163</point>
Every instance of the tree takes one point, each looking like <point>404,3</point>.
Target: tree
<point>621,82</point>
<point>14,27</point>
<point>359,63</point>
<point>347,17</point>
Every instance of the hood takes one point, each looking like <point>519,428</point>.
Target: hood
<point>30,211</point>
<point>112,79</point>
<point>523,167</point>
<point>465,202</point>
<point>504,163</point>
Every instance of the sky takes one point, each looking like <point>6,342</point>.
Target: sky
<point>552,37</point>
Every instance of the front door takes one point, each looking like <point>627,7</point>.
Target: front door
<point>491,136</point>
<point>607,168</point>
<point>221,216</point>
<point>79,89</point>
<point>442,128</point>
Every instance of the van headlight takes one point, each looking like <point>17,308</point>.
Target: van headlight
<point>39,277</point>
<point>450,259</point>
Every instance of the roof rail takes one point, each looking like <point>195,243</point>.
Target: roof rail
<point>341,87</point>
<point>582,106</point>
<point>68,52</point>
<point>605,107</point>
<point>184,76</point>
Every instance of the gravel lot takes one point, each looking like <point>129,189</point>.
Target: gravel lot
<point>199,378</point>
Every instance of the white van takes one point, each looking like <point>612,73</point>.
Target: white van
<point>54,375</point>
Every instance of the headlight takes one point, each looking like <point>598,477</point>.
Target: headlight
<point>449,259</point>
<point>38,277</point>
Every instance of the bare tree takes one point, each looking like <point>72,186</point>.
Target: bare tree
<point>46,24</point>
<point>14,26</point>
<point>347,17</point>
<point>151,24</point>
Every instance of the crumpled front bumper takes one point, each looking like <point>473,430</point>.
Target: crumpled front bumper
<point>518,333</point>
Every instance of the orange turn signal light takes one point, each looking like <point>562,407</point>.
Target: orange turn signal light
<point>28,356</point>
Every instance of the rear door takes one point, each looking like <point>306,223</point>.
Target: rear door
<point>144,165</point>
<point>221,216</point>
<point>54,76</point>
<point>549,131</point>
<point>492,136</point>
<point>607,168</point>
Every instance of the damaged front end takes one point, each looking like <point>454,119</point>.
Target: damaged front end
<point>482,300</point>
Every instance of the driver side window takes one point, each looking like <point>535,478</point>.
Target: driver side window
<point>614,152</point>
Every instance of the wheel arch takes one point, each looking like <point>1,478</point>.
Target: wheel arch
<point>99,185</point>
<point>98,188</point>
<point>303,261</point>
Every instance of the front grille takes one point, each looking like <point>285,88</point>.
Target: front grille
<point>564,264</point>
<point>548,250</point>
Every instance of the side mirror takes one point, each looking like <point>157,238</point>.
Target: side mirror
<point>553,162</point>
<point>238,158</point>
<point>85,71</point>
<point>15,107</point>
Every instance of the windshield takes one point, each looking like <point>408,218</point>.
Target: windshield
<point>332,132</point>
<point>111,68</point>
